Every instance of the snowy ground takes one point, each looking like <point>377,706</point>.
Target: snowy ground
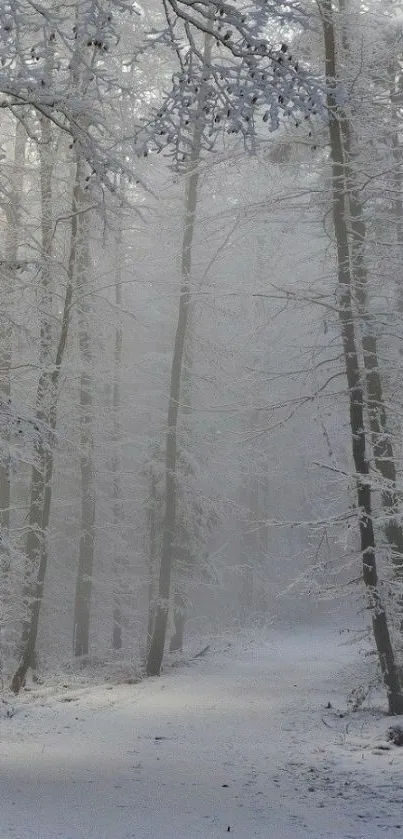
<point>239,741</point>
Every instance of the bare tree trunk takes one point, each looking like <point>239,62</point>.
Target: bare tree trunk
<point>10,263</point>
<point>250,545</point>
<point>36,549</point>
<point>41,481</point>
<point>157,644</point>
<point>396,98</point>
<point>356,395</point>
<point>152,556</point>
<point>264,479</point>
<point>156,651</point>
<point>395,77</point>
<point>116,464</point>
<point>381,442</point>
<point>180,602</point>
<point>87,535</point>
<point>179,616</point>
<point>12,237</point>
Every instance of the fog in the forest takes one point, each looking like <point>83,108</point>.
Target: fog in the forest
<point>201,301</point>
<point>201,308</point>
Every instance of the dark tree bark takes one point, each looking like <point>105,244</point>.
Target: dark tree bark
<point>41,482</point>
<point>381,442</point>
<point>396,98</point>
<point>82,601</point>
<point>12,237</point>
<point>156,651</point>
<point>356,394</point>
<point>117,616</point>
<point>157,644</point>
<point>152,556</point>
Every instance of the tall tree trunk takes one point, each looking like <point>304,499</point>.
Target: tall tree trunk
<point>180,601</point>
<point>179,617</point>
<point>264,478</point>
<point>396,98</point>
<point>152,557</point>
<point>116,463</point>
<point>156,651</point>
<point>395,79</point>
<point>12,236</point>
<point>38,516</point>
<point>381,442</point>
<point>157,644</point>
<point>41,479</point>
<point>10,263</point>
<point>356,395</point>
<point>82,601</point>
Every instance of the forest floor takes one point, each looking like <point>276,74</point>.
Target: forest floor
<point>240,741</point>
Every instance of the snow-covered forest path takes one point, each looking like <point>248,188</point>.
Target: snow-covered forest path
<point>238,742</point>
